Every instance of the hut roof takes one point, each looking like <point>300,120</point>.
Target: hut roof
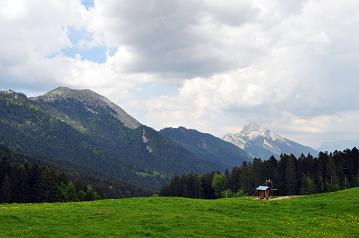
<point>262,188</point>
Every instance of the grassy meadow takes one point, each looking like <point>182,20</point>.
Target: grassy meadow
<point>327,215</point>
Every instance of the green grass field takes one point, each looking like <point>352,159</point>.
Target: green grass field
<point>327,215</point>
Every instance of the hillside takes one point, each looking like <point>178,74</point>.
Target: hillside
<point>260,142</point>
<point>25,179</point>
<point>82,130</point>
<point>327,215</point>
<point>207,146</point>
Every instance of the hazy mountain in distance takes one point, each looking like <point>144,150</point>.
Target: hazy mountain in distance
<point>340,145</point>
<point>207,146</point>
<point>260,142</point>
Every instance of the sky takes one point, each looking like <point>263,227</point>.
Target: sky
<point>291,66</point>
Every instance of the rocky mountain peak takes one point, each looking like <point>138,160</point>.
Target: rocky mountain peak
<point>65,92</point>
<point>93,102</point>
<point>254,130</point>
<point>261,142</point>
<point>252,127</point>
<point>12,94</point>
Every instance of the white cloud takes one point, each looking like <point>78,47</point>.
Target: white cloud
<point>31,31</point>
<point>316,129</point>
<point>306,70</point>
<point>211,65</point>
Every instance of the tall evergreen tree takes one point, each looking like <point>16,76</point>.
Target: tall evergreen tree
<point>307,186</point>
<point>6,189</point>
<point>218,184</point>
<point>290,175</point>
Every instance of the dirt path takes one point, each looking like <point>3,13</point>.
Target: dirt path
<point>284,198</point>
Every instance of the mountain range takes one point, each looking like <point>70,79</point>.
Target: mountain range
<point>83,130</point>
<point>207,146</point>
<point>260,142</point>
<point>80,130</point>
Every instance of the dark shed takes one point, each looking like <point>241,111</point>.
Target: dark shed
<point>264,192</point>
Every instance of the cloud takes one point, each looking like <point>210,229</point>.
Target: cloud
<point>315,129</point>
<point>177,39</point>
<point>307,71</point>
<point>211,65</point>
<point>30,31</point>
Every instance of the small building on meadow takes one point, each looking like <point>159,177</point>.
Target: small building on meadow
<point>264,192</point>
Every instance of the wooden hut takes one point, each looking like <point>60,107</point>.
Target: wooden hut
<point>264,192</point>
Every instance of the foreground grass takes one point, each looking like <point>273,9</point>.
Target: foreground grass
<point>327,215</point>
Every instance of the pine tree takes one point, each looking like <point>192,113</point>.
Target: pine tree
<point>20,184</point>
<point>307,186</point>
<point>45,188</point>
<point>91,194</point>
<point>6,187</point>
<point>234,179</point>
<point>71,192</point>
<point>61,193</point>
<point>206,184</point>
<point>290,176</point>
<point>218,183</point>
<point>194,186</point>
<point>332,181</point>
<point>81,195</point>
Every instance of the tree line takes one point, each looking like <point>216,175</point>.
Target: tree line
<point>289,175</point>
<point>34,183</point>
<point>23,179</point>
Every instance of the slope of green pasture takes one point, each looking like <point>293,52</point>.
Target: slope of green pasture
<point>327,215</point>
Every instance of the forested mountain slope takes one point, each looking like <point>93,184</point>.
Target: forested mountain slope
<point>25,179</point>
<point>207,146</point>
<point>83,130</point>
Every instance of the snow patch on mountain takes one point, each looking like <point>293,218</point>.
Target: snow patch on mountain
<point>234,139</point>
<point>145,140</point>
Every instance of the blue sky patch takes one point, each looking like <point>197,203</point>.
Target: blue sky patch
<point>77,35</point>
<point>96,54</point>
<point>87,3</point>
